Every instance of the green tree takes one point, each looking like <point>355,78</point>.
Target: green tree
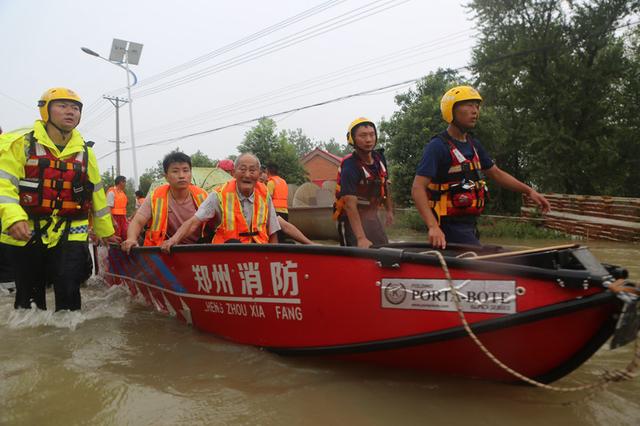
<point>272,147</point>
<point>200,159</point>
<point>628,96</point>
<point>149,176</point>
<point>302,143</point>
<point>552,72</point>
<point>405,134</point>
<point>335,148</point>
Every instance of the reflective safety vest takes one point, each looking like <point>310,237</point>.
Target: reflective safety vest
<point>464,193</point>
<point>371,190</point>
<point>119,201</point>
<point>52,183</point>
<point>280,194</point>
<point>233,224</point>
<point>157,232</point>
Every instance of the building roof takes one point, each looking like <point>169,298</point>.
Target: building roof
<point>322,154</point>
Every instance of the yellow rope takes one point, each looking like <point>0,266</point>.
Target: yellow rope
<point>605,379</point>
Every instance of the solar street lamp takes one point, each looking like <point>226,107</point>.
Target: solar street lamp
<point>127,53</point>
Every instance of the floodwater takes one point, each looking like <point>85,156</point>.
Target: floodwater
<point>119,363</point>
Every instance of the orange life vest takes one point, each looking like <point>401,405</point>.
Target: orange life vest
<point>371,190</point>
<point>119,201</point>
<point>233,224</point>
<point>465,192</point>
<point>53,183</point>
<point>157,232</point>
<point>280,195</point>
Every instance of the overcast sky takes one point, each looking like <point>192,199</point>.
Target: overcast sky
<point>237,60</point>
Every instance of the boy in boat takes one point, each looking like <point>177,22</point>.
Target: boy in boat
<point>242,208</point>
<point>168,206</point>
<point>449,190</point>
<point>49,187</point>
<point>362,188</point>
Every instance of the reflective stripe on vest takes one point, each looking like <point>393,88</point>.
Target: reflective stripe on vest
<point>280,195</point>
<point>233,224</point>
<point>160,212</point>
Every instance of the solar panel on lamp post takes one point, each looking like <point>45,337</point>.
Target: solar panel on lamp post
<point>127,53</point>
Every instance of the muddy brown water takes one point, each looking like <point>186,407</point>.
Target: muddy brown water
<point>119,363</point>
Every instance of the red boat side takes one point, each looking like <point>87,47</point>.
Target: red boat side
<point>383,306</point>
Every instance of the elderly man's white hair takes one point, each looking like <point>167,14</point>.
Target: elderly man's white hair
<point>241,156</point>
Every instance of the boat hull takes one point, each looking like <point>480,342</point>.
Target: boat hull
<point>365,306</point>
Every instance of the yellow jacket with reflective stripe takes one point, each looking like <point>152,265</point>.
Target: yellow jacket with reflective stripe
<point>13,149</point>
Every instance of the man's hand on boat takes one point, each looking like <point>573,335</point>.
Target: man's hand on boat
<point>437,238</point>
<point>187,228</point>
<point>167,244</point>
<point>363,242</point>
<point>128,244</point>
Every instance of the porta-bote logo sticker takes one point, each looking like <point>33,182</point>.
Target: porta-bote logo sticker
<point>490,296</point>
<point>395,293</point>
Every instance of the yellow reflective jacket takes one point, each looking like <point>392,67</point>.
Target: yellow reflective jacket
<point>13,150</point>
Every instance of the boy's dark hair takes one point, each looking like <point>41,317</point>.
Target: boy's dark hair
<point>175,157</point>
<point>272,168</point>
<point>120,179</point>
<point>139,193</point>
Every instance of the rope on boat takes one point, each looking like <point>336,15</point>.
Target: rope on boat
<point>607,377</point>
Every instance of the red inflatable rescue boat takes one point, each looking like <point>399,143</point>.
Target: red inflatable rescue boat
<point>542,312</point>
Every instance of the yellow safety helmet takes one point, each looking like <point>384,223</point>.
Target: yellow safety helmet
<point>354,124</point>
<point>54,94</point>
<point>455,95</point>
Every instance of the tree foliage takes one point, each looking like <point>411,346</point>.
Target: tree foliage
<point>409,129</point>
<point>200,159</point>
<point>272,147</point>
<point>335,148</point>
<point>561,84</point>
<point>301,142</point>
<point>556,74</point>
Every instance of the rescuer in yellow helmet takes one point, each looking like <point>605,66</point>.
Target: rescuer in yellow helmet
<point>449,188</point>
<point>362,188</point>
<point>49,186</point>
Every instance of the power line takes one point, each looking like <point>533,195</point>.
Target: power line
<point>314,105</point>
<point>342,83</point>
<point>246,40</point>
<point>339,75</point>
<point>30,108</point>
<point>329,25</point>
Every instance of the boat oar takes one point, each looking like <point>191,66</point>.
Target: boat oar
<point>528,251</point>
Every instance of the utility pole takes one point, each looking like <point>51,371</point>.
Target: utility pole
<point>116,103</point>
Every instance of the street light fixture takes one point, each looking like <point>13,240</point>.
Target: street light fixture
<point>125,52</point>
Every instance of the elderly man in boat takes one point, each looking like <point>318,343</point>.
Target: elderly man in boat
<point>241,207</point>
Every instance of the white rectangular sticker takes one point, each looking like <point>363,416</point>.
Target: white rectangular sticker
<point>491,296</point>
